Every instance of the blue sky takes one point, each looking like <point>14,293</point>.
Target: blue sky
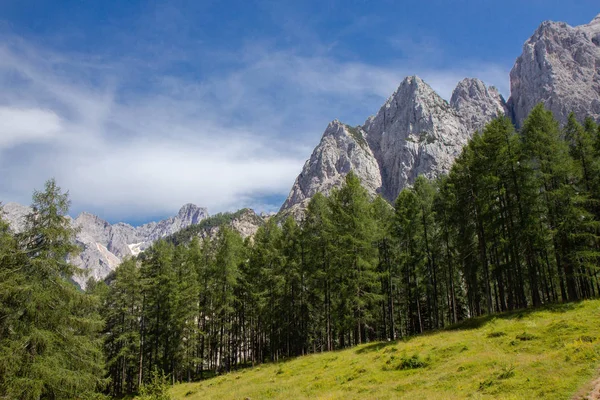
<point>140,107</point>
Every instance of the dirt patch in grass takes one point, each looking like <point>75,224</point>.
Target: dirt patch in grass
<point>589,392</point>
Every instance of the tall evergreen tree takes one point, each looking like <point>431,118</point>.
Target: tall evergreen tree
<point>52,348</point>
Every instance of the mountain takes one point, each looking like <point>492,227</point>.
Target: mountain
<point>244,221</point>
<point>416,132</point>
<point>342,149</point>
<point>103,246</point>
<point>560,66</point>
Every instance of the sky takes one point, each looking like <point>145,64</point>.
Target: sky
<point>138,107</point>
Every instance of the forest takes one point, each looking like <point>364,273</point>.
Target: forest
<point>515,224</point>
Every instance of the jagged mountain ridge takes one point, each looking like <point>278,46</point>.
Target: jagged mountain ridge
<point>342,149</point>
<point>103,245</point>
<point>416,132</point>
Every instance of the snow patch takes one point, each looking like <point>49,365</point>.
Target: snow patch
<point>135,248</point>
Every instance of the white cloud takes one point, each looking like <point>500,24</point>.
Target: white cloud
<point>26,125</point>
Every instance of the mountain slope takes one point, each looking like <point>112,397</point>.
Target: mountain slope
<point>416,132</point>
<point>548,353</point>
<point>244,221</point>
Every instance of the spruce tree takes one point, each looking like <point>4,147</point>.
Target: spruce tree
<point>355,260</point>
<point>53,344</point>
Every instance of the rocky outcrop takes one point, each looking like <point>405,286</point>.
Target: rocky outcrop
<point>189,214</point>
<point>559,66</point>
<point>415,132</point>
<point>247,223</point>
<point>104,246</point>
<point>476,103</point>
<point>14,214</point>
<point>342,149</point>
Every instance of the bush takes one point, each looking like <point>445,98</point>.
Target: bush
<point>157,388</point>
<point>412,362</point>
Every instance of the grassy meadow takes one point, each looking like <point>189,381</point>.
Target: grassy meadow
<point>552,353</point>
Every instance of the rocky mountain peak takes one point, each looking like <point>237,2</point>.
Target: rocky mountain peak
<point>415,132</point>
<point>472,90</point>
<point>477,103</point>
<point>593,30</point>
<point>104,245</point>
<point>559,66</point>
<point>410,133</point>
<point>87,218</point>
<point>412,89</point>
<point>342,148</point>
<point>192,214</point>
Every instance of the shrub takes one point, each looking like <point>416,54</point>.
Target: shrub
<point>157,388</point>
<point>412,362</point>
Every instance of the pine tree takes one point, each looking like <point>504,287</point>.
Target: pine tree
<point>122,314</point>
<point>354,260</point>
<point>317,239</point>
<point>383,214</point>
<point>53,343</point>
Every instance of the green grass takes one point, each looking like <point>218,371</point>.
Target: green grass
<point>548,353</point>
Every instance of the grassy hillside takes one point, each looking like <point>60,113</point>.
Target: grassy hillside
<point>551,354</point>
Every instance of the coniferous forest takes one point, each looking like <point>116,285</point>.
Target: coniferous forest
<point>515,224</point>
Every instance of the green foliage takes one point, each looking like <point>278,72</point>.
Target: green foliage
<point>157,387</point>
<point>50,345</point>
<point>554,366</point>
<point>412,362</point>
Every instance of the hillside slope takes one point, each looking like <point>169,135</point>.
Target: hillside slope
<point>552,354</point>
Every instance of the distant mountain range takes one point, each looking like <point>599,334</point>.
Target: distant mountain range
<point>415,132</point>
<point>104,246</point>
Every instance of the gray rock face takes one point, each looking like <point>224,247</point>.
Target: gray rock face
<point>246,223</point>
<point>342,149</point>
<point>560,66</point>
<point>104,246</point>
<point>477,104</point>
<point>415,132</point>
<point>14,214</point>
